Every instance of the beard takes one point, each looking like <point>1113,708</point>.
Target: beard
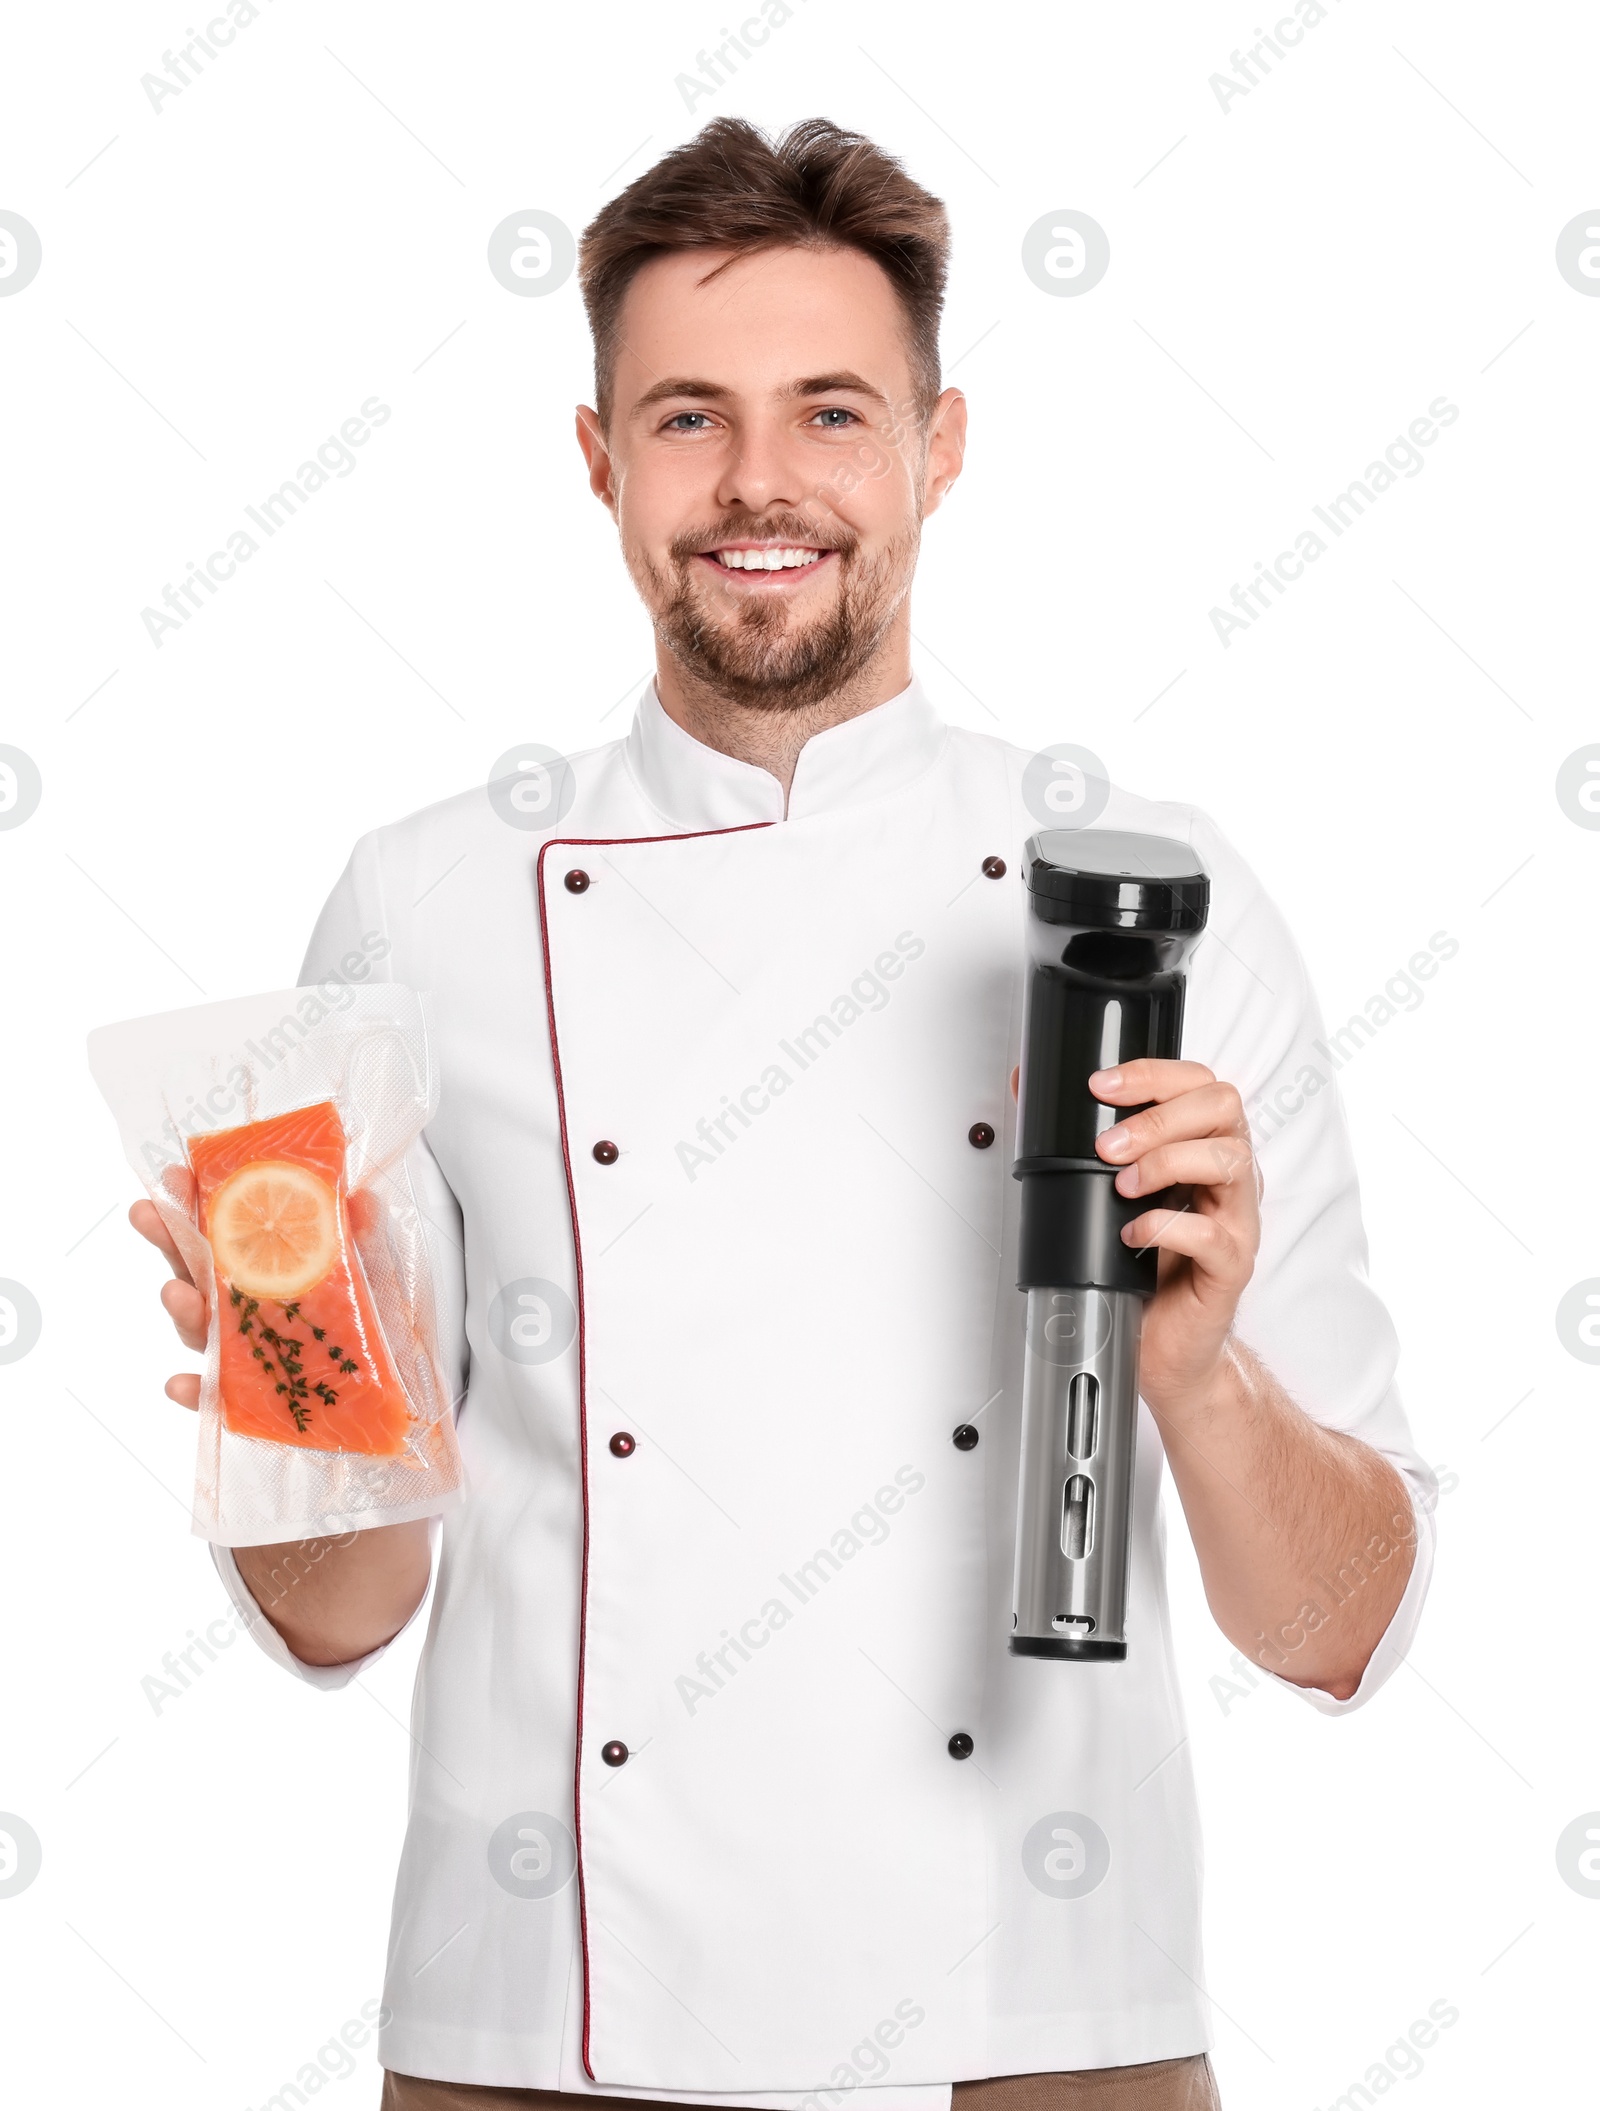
<point>761,654</point>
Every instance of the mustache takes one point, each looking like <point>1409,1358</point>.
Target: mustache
<point>792,528</point>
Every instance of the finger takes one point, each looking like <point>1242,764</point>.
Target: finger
<point>1213,1162</point>
<point>1015,1075</point>
<point>184,1389</point>
<point>1206,1110</point>
<point>1203,1239</point>
<point>186,1309</point>
<point>1146,1078</point>
<point>149,1223</point>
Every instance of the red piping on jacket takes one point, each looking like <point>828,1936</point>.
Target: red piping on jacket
<point>587,843</point>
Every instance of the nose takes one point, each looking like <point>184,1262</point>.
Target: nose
<point>764,470</point>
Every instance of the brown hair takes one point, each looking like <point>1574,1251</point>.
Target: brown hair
<point>731,187</point>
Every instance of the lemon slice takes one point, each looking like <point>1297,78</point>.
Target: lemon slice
<point>274,1229</point>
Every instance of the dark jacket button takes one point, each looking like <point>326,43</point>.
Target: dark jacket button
<point>622,1445</point>
<point>960,1746</point>
<point>576,881</point>
<point>980,1136</point>
<point>994,868</point>
<point>605,1153</point>
<point>616,1752</point>
<point>964,1437</point>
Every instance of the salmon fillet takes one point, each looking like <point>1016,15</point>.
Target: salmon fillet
<point>303,1358</point>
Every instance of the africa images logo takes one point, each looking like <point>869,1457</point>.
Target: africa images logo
<point>1066,1855</point>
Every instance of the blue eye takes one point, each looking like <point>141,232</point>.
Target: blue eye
<point>845,417</point>
<point>679,422</point>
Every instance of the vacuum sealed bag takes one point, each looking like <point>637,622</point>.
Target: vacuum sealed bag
<point>271,1133</point>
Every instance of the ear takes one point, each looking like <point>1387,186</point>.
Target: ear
<point>947,441</point>
<point>592,439</point>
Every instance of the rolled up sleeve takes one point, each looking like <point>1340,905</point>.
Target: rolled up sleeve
<point>353,941</point>
<point>256,1624</point>
<point>1310,1311</point>
<point>1397,1637</point>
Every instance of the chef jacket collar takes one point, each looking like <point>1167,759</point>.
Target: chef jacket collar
<point>695,787</point>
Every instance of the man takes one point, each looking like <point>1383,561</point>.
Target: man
<point>726,1788</point>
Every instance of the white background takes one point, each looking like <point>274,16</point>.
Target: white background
<point>1292,281</point>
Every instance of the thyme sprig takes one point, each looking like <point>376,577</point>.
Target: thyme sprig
<point>286,1363</point>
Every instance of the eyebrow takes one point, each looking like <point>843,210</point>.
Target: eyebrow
<point>843,383</point>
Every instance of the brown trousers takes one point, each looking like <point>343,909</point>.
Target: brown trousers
<point>1164,2085</point>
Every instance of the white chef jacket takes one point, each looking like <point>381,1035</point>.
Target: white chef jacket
<point>793,1281</point>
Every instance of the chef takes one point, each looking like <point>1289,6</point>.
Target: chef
<point>725,1788</point>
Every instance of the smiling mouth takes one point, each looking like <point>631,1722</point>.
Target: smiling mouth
<point>770,564</point>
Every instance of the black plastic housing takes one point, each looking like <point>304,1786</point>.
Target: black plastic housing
<point>1071,1232</point>
<point>1112,920</point>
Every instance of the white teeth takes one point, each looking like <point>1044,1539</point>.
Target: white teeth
<point>767,560</point>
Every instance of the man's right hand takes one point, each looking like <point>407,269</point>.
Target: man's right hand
<point>332,1600</point>
<point>184,1303</point>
